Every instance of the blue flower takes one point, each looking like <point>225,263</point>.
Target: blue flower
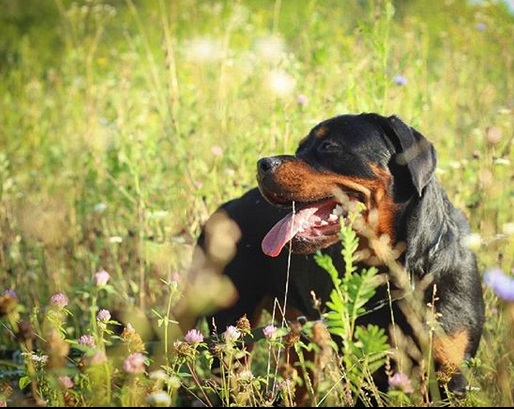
<point>500,283</point>
<point>400,80</point>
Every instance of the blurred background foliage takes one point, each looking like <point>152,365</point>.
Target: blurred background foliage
<point>124,123</point>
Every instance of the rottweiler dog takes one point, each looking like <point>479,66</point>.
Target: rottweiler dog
<point>265,241</point>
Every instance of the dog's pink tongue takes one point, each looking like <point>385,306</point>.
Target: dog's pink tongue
<point>285,230</point>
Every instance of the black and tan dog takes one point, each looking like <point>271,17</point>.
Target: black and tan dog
<point>388,167</point>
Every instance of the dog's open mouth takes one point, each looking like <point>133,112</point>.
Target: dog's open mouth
<point>317,224</point>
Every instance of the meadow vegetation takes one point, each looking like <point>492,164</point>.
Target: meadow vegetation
<point>125,123</point>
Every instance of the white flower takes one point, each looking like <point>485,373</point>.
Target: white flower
<point>472,241</point>
<point>231,334</point>
<point>203,50</point>
<point>281,83</point>
<point>159,398</point>
<point>270,49</point>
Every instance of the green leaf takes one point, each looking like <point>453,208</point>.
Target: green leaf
<point>23,382</point>
<point>361,288</point>
<point>325,262</point>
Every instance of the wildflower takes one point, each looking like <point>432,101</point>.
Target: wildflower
<point>87,340</point>
<point>245,375</point>
<point>270,49</point>
<point>183,349</point>
<point>174,382</point>
<point>8,302</point>
<point>25,331</point>
<point>59,300</point>
<point>400,80</point>
<point>229,171</point>
<point>270,331</point>
<point>500,283</point>
<point>281,83</point>
<point>66,382</point>
<point>159,398</point>
<point>508,228</point>
<point>103,315</point>
<point>400,381</point>
<point>293,336</point>
<point>243,325</point>
<point>97,358</point>
<point>231,334</point>
<point>102,278</point>
<point>134,363</point>
<point>302,100</point>
<point>203,50</point>
<point>193,336</point>
<point>481,27</point>
<point>217,151</point>
<point>472,241</point>
<point>57,349</point>
<point>10,292</point>
<point>501,161</point>
<point>493,135</point>
<point>42,359</point>
<point>158,375</point>
<point>132,339</point>
<point>100,207</point>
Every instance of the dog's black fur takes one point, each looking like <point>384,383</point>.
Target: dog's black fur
<point>387,165</point>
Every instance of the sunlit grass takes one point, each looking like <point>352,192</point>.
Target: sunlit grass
<point>123,125</point>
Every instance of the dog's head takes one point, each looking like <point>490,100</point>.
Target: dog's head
<point>378,161</point>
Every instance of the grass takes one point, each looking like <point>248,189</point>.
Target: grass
<point>124,124</point>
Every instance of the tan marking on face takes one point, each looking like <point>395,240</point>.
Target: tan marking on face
<point>300,182</point>
<point>321,132</point>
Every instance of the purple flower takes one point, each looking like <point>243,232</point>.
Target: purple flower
<point>500,283</point>
<point>270,331</point>
<point>231,334</point>
<point>102,278</point>
<point>302,100</point>
<point>400,80</point>
<point>87,340</point>
<point>103,315</point>
<point>400,381</point>
<point>59,300</point>
<point>98,358</point>
<point>134,363</point>
<point>193,336</point>
<point>11,293</point>
<point>481,27</point>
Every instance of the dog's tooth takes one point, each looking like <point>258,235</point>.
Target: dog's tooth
<point>338,210</point>
<point>333,217</point>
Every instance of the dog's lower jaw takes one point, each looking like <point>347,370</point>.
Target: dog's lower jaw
<point>301,246</point>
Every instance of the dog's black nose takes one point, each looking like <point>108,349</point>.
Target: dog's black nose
<point>266,165</point>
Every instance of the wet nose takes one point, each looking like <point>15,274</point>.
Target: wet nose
<point>267,165</point>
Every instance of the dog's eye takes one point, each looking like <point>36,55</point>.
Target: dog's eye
<point>328,146</point>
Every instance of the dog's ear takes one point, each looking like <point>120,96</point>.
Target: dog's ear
<point>413,151</point>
